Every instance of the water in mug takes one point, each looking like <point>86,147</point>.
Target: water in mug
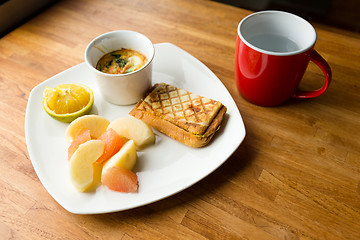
<point>273,43</point>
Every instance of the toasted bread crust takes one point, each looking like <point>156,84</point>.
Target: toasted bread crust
<point>176,132</point>
<point>189,111</point>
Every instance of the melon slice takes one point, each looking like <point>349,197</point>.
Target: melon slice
<point>125,158</point>
<point>134,129</point>
<point>84,171</point>
<point>95,123</point>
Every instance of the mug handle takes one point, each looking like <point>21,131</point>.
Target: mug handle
<point>321,62</point>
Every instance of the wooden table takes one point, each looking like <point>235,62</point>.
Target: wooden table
<point>295,176</point>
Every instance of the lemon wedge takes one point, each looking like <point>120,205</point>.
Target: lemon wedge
<point>67,102</point>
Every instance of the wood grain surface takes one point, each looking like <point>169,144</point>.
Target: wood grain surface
<point>295,176</point>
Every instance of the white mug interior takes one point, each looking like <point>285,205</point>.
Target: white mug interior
<point>277,33</point>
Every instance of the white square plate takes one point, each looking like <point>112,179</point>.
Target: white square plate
<point>163,169</point>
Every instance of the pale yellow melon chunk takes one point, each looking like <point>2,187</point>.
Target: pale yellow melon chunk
<point>124,158</point>
<point>134,129</point>
<point>85,173</point>
<point>95,123</point>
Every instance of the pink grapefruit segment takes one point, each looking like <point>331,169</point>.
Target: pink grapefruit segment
<point>113,143</point>
<point>120,180</point>
<point>83,137</point>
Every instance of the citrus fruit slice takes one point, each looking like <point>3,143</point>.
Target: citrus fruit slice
<point>95,123</point>
<point>82,138</point>
<point>84,171</point>
<point>134,129</point>
<point>113,143</point>
<point>67,102</point>
<point>120,180</point>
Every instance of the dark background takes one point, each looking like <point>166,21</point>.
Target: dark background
<point>344,14</point>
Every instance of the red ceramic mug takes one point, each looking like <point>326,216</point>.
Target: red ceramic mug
<point>273,49</point>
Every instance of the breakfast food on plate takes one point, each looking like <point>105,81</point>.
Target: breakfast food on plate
<point>182,115</point>
<point>84,171</point>
<point>67,102</point>
<point>95,123</point>
<point>125,158</point>
<point>113,143</point>
<point>121,61</point>
<point>99,154</point>
<point>134,129</point>
<point>120,180</point>
<point>83,137</point>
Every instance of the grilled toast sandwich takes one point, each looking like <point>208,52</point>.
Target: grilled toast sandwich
<point>186,117</point>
